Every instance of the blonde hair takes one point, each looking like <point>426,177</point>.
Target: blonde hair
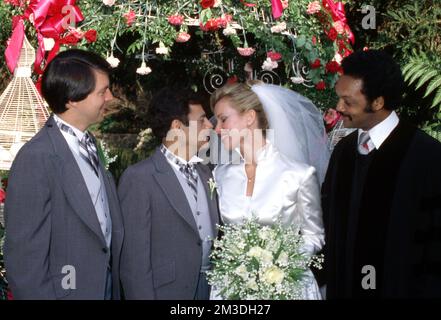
<point>243,99</point>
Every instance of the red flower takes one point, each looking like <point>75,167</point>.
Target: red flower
<point>130,17</point>
<point>332,34</point>
<point>331,118</point>
<point>321,85</point>
<point>176,20</point>
<point>210,25</point>
<point>314,40</point>
<point>90,35</point>
<point>316,64</point>
<point>2,195</point>
<point>9,295</point>
<point>70,39</point>
<point>273,55</point>
<point>207,3</point>
<point>332,67</point>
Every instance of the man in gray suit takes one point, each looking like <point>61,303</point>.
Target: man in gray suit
<point>169,211</point>
<point>63,221</point>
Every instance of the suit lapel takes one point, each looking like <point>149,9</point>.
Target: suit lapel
<point>72,180</point>
<point>169,183</point>
<point>204,174</point>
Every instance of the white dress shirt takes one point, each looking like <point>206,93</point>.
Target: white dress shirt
<point>381,131</point>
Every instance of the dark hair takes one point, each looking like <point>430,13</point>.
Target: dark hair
<point>70,77</point>
<point>168,104</point>
<point>380,74</point>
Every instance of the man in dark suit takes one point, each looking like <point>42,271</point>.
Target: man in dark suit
<point>382,192</point>
<point>169,210</point>
<point>63,221</point>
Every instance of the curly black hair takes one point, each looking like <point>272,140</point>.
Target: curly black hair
<point>168,104</point>
<point>380,74</point>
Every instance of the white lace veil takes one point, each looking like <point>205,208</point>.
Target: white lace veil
<point>298,129</point>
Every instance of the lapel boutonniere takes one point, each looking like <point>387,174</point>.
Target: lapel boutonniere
<point>212,186</point>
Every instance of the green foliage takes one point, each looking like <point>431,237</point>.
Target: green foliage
<point>423,69</point>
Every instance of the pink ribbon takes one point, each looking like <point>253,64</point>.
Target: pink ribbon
<point>12,52</point>
<point>277,8</point>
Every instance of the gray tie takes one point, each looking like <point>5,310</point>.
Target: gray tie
<point>88,151</point>
<point>87,147</point>
<point>363,147</point>
<point>191,176</point>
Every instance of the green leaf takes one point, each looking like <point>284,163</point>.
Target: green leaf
<point>434,84</point>
<point>426,78</point>
<point>437,100</point>
<point>300,42</point>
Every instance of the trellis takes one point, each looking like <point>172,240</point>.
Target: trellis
<point>22,110</point>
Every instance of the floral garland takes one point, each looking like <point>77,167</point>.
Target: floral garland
<point>308,38</point>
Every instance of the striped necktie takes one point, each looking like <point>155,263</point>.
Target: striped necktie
<point>191,176</point>
<point>87,147</point>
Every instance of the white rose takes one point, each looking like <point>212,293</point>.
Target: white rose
<point>266,257</point>
<point>255,252</point>
<point>297,80</point>
<point>283,259</point>
<point>273,275</point>
<point>242,272</point>
<point>162,49</point>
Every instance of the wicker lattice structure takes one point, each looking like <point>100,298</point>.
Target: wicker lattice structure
<point>22,110</point>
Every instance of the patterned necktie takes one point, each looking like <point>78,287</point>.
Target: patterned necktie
<point>88,151</point>
<point>363,147</point>
<point>191,176</point>
<point>87,147</point>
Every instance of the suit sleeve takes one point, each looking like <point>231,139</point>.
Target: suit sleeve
<point>136,267</point>
<point>28,228</point>
<point>309,206</point>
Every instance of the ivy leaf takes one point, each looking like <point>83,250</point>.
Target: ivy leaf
<point>300,42</point>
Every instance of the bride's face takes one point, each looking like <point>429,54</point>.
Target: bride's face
<point>232,126</point>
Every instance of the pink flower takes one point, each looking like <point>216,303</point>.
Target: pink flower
<point>183,37</point>
<point>273,55</point>
<point>130,17</point>
<point>76,32</point>
<point>339,27</point>
<point>331,118</point>
<point>176,20</point>
<point>246,52</point>
<point>320,85</point>
<point>285,4</point>
<point>2,195</point>
<point>313,7</point>
<point>314,40</point>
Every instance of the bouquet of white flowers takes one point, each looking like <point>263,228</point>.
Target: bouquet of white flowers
<point>255,262</point>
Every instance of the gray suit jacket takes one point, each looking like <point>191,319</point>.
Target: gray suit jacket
<point>51,223</point>
<point>162,251</point>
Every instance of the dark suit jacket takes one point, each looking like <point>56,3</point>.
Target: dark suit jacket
<point>161,256</point>
<point>51,223</point>
<point>403,186</point>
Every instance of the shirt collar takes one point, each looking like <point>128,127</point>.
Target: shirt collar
<point>174,159</point>
<point>381,131</point>
<point>77,132</point>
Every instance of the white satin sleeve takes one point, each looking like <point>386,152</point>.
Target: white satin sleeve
<point>309,209</point>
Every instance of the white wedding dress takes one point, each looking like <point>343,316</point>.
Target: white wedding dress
<point>283,189</point>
